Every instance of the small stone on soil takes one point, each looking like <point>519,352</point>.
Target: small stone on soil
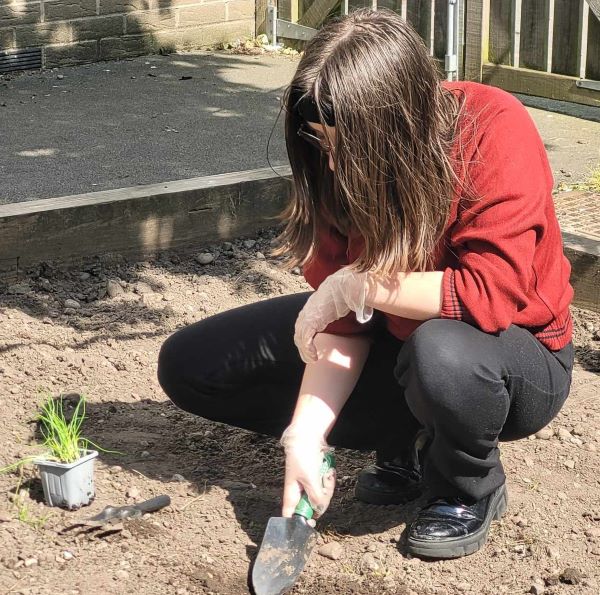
<point>369,563</point>
<point>249,244</point>
<point>537,588</point>
<point>552,552</point>
<point>570,576</point>
<point>67,555</point>
<point>113,288</point>
<point>332,550</point>
<point>569,464</point>
<point>177,477</point>
<point>133,492</point>
<point>72,304</point>
<point>545,433</point>
<point>563,434</point>
<point>205,258</point>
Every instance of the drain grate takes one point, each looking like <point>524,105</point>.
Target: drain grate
<point>27,59</point>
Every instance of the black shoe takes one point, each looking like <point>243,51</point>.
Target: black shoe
<point>451,528</point>
<point>393,482</point>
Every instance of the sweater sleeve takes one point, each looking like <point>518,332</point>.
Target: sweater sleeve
<point>330,257</point>
<point>496,233</point>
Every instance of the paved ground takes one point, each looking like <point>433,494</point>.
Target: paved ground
<point>119,124</point>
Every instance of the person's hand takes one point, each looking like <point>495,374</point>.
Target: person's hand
<point>304,450</point>
<point>340,293</point>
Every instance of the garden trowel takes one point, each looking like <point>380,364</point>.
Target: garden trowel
<point>286,546</point>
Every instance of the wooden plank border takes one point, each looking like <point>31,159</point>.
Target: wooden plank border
<point>584,255</point>
<point>541,84</point>
<point>142,220</point>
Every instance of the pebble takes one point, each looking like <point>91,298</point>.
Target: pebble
<point>60,77</point>
<point>545,433</point>
<point>177,477</point>
<point>227,246</point>
<point>537,588</point>
<point>19,289</point>
<point>296,271</point>
<point>133,492</point>
<point>332,550</point>
<point>249,244</point>
<point>260,256</point>
<point>84,276</point>
<point>595,551</point>
<point>569,464</point>
<point>141,288</point>
<point>563,434</point>
<point>73,304</point>
<point>570,576</point>
<point>578,430</point>
<point>30,562</point>
<point>589,326</point>
<point>67,555</point>
<point>144,454</point>
<point>552,552</point>
<point>369,563</point>
<point>576,441</point>
<point>205,258</point>
<point>593,533</point>
<point>113,288</point>
<point>121,575</point>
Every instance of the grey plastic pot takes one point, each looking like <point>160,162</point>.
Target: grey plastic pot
<point>68,485</point>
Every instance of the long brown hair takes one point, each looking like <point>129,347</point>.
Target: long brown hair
<point>394,129</point>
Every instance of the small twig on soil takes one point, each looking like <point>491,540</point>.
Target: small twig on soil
<point>182,508</point>
<point>12,588</point>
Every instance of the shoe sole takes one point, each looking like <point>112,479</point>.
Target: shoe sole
<point>368,496</point>
<point>460,546</point>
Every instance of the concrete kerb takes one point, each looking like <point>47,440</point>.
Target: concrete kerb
<point>139,221</point>
<point>185,214</point>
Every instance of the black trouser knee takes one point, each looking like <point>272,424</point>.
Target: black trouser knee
<point>469,389</point>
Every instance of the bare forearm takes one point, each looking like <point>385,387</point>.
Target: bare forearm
<point>412,295</point>
<point>328,383</point>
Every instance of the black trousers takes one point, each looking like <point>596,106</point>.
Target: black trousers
<point>468,389</point>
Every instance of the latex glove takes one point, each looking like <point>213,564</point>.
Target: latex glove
<point>339,294</point>
<point>304,452</point>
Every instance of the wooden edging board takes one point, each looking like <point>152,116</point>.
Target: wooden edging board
<point>145,220</point>
<point>541,84</point>
<point>141,220</point>
<point>584,256</point>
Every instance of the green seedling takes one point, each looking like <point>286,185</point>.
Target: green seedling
<point>62,437</point>
<point>24,513</point>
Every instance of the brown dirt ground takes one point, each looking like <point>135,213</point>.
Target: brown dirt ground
<point>205,541</point>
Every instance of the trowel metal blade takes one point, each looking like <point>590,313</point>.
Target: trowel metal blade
<point>284,551</point>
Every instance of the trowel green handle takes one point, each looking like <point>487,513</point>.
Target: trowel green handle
<point>304,509</point>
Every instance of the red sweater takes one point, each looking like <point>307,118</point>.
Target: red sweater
<point>502,254</point>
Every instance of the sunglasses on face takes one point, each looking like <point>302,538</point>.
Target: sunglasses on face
<point>314,139</point>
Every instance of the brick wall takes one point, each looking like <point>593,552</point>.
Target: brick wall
<point>76,31</point>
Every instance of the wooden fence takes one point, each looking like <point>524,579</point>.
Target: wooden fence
<point>549,48</point>
<point>537,47</point>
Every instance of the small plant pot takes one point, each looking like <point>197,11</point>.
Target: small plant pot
<point>68,485</point>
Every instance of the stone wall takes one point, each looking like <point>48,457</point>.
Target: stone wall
<point>77,31</point>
